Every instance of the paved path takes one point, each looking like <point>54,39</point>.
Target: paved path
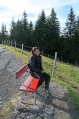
<point>8,65</point>
<point>55,106</point>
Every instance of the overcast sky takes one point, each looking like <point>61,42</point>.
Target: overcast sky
<point>15,8</point>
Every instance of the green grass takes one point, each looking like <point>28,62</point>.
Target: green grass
<point>66,75</point>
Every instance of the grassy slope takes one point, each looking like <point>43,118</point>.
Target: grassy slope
<point>66,75</point>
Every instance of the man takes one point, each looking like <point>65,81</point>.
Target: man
<point>36,68</point>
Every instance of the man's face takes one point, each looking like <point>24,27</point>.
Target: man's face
<point>37,52</point>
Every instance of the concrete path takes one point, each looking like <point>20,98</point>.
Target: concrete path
<point>8,66</point>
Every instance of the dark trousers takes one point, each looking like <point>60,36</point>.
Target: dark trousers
<point>44,77</point>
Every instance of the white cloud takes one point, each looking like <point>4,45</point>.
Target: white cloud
<point>15,8</point>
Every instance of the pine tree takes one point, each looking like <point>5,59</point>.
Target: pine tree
<point>69,35</point>
<point>41,31</point>
<point>76,30</point>
<point>53,31</point>
<point>70,24</point>
<point>75,41</point>
<point>13,30</point>
<point>19,34</point>
<point>55,26</point>
<point>31,33</point>
<point>25,30</point>
<point>4,32</point>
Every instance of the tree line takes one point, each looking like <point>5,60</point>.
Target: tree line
<point>46,34</point>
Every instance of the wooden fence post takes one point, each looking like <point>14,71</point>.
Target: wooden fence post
<point>15,45</point>
<point>4,42</point>
<point>11,43</point>
<point>54,67</point>
<point>7,42</point>
<point>22,48</point>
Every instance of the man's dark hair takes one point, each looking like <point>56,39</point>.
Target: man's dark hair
<point>33,49</point>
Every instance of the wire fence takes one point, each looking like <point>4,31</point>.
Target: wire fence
<point>23,47</point>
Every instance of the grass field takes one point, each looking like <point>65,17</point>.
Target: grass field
<point>66,75</point>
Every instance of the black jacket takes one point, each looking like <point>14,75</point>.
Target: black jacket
<point>35,64</point>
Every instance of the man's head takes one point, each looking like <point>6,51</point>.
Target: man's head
<point>35,51</point>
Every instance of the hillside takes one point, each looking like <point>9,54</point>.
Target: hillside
<point>66,75</point>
